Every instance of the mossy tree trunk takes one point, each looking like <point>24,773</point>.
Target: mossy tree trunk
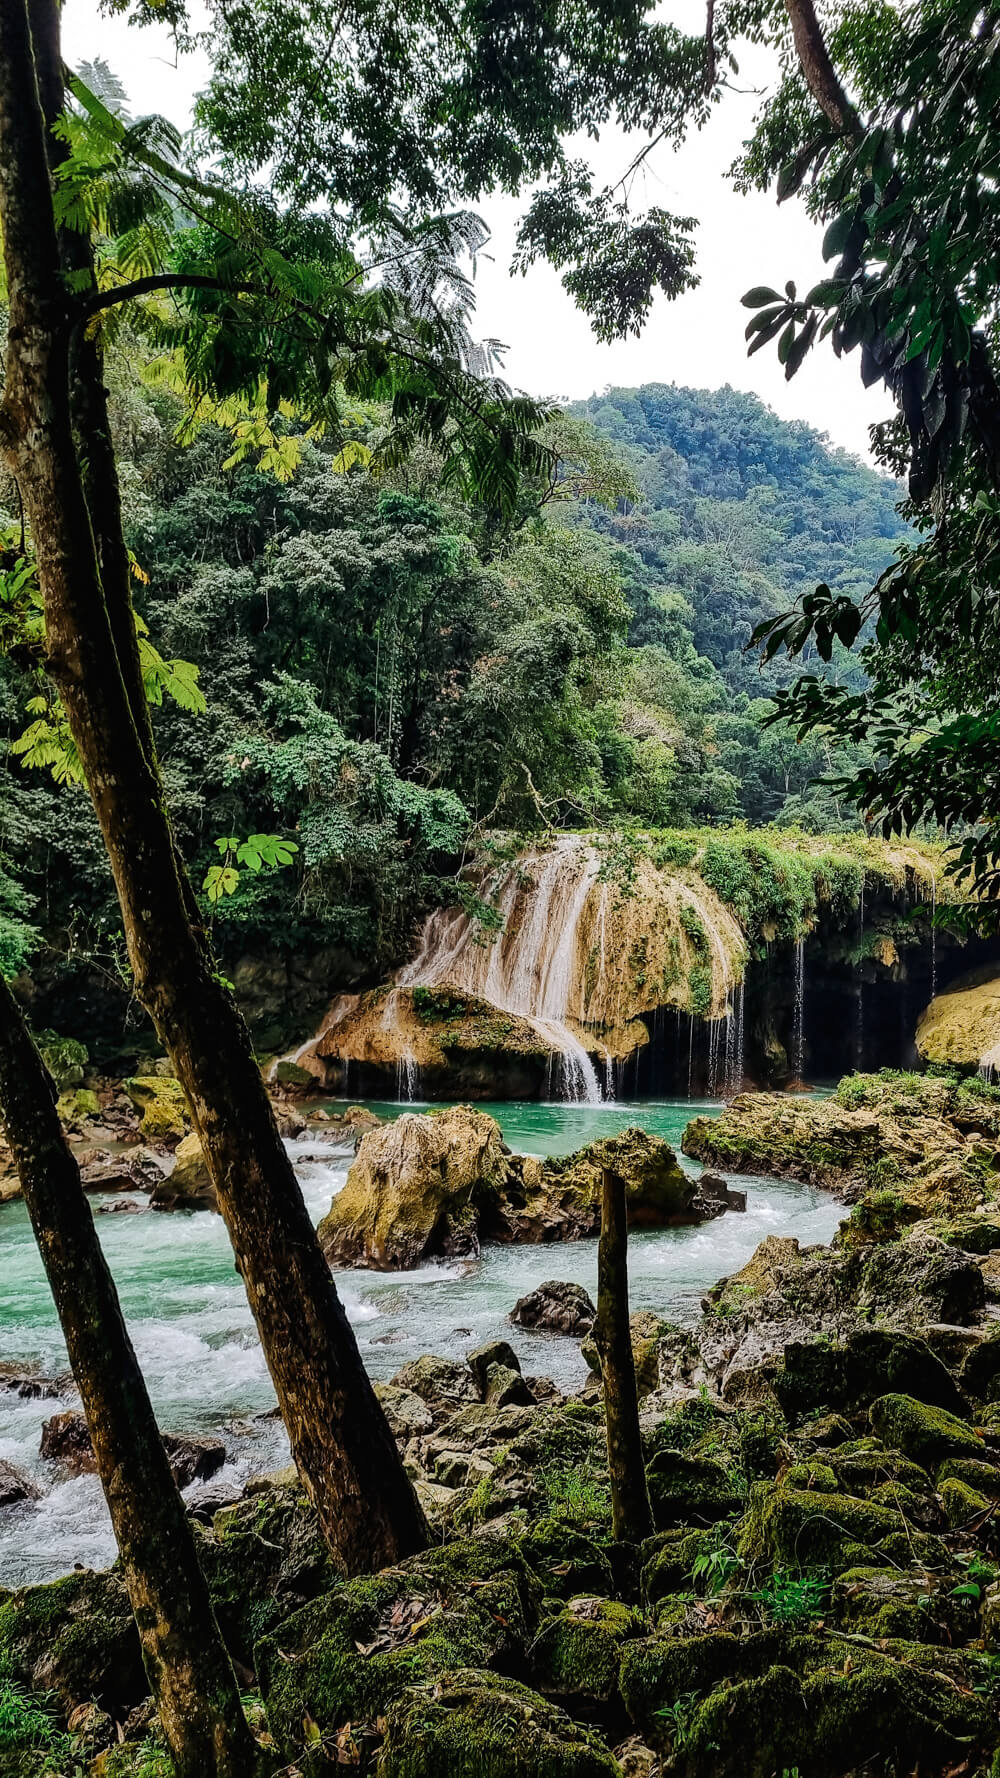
<point>189,1670</point>
<point>631,1517</point>
<point>339,1436</point>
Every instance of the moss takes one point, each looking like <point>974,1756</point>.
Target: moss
<point>685,1489</point>
<point>476,1725</point>
<point>962,1503</point>
<point>776,1701</point>
<point>669,1561</point>
<point>577,1653</point>
<point>266,1557</point>
<point>347,1656</point>
<point>984,1477</point>
<point>802,1528</point>
<point>565,1560</point>
<point>75,1637</point>
<point>77,1106</point>
<point>818,1476</point>
<point>864,1464</point>
<point>926,1434</point>
<point>914,1605</point>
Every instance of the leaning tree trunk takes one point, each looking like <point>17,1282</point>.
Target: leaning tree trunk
<point>339,1436</point>
<point>631,1517</point>
<point>189,1671</point>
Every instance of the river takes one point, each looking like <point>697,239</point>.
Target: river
<point>192,1330</point>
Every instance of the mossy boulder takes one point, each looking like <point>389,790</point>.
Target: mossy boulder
<point>473,1724</point>
<point>908,1603</point>
<point>560,1198</point>
<point>350,1654</point>
<point>848,1374</point>
<point>160,1101</point>
<point>775,1702</point>
<point>443,1384</point>
<point>687,1489</point>
<point>577,1653</point>
<point>78,1106</point>
<point>961,1028</point>
<point>565,1560</point>
<point>264,1557</point>
<point>645,1332</point>
<point>76,1638</point>
<point>65,1058</point>
<point>416,1190</point>
<point>926,1434</point>
<point>801,1528</point>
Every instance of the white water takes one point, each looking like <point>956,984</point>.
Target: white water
<point>189,1319</point>
<point>529,968</point>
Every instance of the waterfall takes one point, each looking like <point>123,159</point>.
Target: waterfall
<point>530,967</point>
<point>798,1017</point>
<point>933,934</point>
<point>735,1045</point>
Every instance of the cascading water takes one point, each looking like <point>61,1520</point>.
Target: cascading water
<point>529,968</point>
<point>735,1042</point>
<point>798,1017</point>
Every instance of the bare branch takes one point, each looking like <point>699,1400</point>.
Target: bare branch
<point>818,70</point>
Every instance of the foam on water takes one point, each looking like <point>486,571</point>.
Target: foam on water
<point>192,1329</point>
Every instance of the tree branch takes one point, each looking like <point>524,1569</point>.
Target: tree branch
<point>818,70</point>
<point>123,293</point>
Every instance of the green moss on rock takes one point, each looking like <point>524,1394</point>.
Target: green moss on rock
<point>75,1637</point>
<point>475,1725</point>
<point>926,1434</point>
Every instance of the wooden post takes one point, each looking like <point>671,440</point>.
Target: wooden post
<point>631,1517</point>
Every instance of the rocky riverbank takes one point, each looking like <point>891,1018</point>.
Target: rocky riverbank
<point>822,1592</point>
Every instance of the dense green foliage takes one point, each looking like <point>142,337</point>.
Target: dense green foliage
<point>386,665</point>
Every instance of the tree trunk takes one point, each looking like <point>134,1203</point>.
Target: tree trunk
<point>818,70</point>
<point>339,1436</point>
<point>631,1517</point>
<point>189,1671</point>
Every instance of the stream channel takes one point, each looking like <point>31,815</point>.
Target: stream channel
<point>192,1330</point>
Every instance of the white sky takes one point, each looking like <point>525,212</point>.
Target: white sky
<point>698,340</point>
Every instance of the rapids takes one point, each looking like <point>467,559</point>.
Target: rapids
<point>189,1320</point>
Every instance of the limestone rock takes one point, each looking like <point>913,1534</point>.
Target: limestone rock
<point>443,1383</point>
<point>961,1028</point>
<point>415,1190</point>
<point>926,1145</point>
<point>407,1413</point>
<point>560,1198</point>
<point>556,1307</point>
<point>188,1185</point>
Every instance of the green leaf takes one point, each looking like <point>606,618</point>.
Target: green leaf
<point>759,296</point>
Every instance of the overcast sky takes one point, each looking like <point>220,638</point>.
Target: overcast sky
<point>697,341</point>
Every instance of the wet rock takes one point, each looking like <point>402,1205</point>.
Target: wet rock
<point>66,1440</point>
<point>27,1385</point>
<point>560,1199</point>
<point>925,1143</point>
<point>15,1485</point>
<point>122,1207</point>
<point>556,1307</point>
<point>497,1352</point>
<point>415,1190</point>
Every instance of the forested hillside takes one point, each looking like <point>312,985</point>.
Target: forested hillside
<point>384,666</point>
<point>741,513</point>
